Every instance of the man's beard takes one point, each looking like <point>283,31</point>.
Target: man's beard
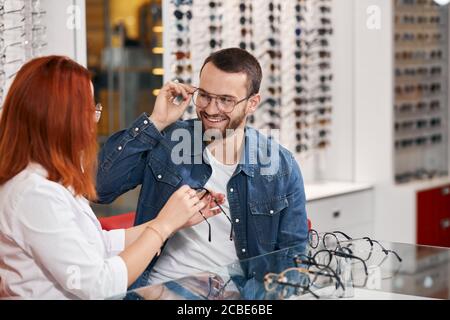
<point>232,125</point>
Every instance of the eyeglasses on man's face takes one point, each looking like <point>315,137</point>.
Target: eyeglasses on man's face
<point>226,104</point>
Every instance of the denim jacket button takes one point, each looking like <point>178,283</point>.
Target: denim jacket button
<point>231,190</point>
<point>136,129</point>
<point>159,176</point>
<point>243,250</point>
<point>237,220</point>
<point>145,122</point>
<point>271,211</point>
<point>119,148</point>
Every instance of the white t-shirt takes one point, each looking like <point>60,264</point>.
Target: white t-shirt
<point>188,251</point>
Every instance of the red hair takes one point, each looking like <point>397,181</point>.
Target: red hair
<point>49,118</point>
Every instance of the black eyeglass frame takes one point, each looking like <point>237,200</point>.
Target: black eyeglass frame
<point>206,192</point>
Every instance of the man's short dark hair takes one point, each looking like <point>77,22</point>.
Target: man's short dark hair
<point>236,60</point>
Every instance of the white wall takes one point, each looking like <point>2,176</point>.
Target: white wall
<point>374,93</point>
<point>339,159</point>
<point>66,28</point>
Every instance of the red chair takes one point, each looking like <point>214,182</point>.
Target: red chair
<point>121,221</point>
<point>126,220</point>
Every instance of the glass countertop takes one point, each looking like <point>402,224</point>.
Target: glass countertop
<point>376,273</point>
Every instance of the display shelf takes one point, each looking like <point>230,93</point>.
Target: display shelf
<point>327,189</point>
<point>421,90</point>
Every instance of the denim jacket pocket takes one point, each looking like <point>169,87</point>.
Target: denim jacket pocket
<point>163,173</point>
<point>269,208</point>
<point>164,183</point>
<point>265,216</point>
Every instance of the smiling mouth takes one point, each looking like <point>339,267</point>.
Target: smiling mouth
<point>214,119</point>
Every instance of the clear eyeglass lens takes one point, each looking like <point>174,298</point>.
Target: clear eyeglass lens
<point>313,239</point>
<point>203,99</point>
<point>331,242</point>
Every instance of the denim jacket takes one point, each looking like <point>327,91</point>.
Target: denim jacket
<point>267,201</point>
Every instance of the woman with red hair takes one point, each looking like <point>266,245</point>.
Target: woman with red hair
<point>51,243</point>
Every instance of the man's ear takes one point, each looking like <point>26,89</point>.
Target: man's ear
<point>253,103</point>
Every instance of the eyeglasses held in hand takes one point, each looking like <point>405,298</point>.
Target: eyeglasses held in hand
<point>205,193</point>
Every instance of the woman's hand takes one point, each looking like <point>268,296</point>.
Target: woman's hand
<point>145,241</point>
<point>180,208</point>
<point>210,210</point>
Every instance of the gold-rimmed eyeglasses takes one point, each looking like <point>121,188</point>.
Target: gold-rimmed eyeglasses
<point>226,104</point>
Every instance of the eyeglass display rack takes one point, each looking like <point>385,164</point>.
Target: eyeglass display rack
<point>390,71</point>
<point>22,37</point>
<point>421,90</point>
<point>289,38</point>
